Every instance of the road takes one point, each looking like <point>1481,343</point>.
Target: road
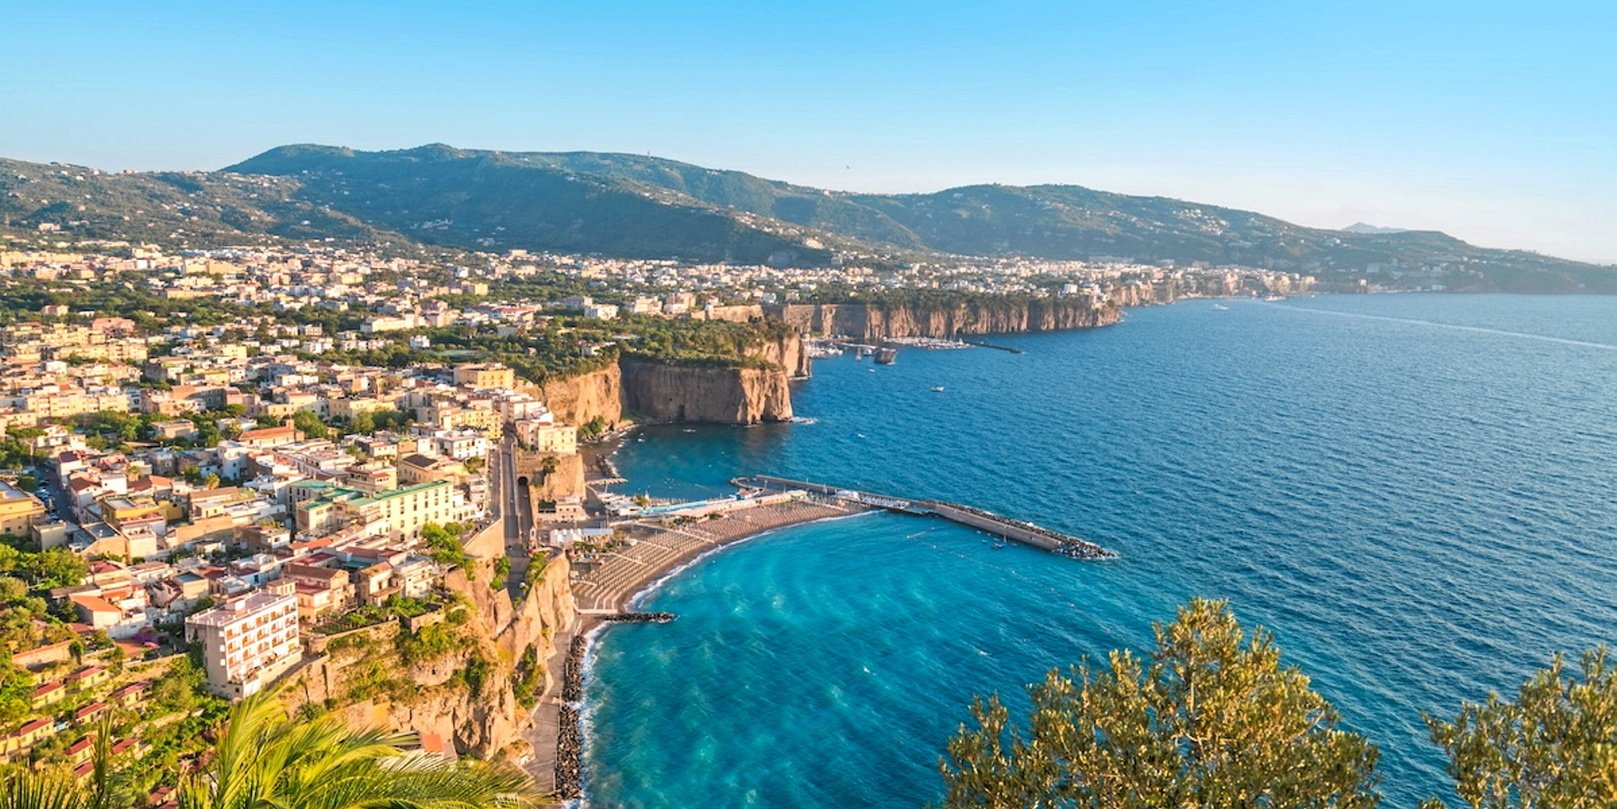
<point>58,492</point>
<point>514,509</point>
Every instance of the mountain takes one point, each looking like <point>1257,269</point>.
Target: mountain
<point>1360,227</point>
<point>646,207</point>
<point>482,199</point>
<point>167,207</point>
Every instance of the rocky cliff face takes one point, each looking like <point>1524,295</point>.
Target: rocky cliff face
<point>666,392</point>
<point>577,399</point>
<point>551,476</point>
<point>712,394</point>
<point>434,698</point>
<point>788,353</point>
<point>874,322</point>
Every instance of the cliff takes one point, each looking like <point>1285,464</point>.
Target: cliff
<point>786,351</point>
<point>551,476</point>
<point>700,393</point>
<point>658,391</point>
<point>578,399</point>
<point>924,319</point>
<point>465,696</point>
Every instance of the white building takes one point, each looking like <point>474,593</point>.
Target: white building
<point>249,641</point>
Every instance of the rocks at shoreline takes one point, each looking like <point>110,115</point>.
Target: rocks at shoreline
<point>639,618</point>
<point>569,730</point>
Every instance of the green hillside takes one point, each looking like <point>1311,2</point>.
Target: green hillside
<point>635,206</point>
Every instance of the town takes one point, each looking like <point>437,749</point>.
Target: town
<point>221,467</point>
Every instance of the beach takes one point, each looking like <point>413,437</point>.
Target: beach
<point>611,583</point>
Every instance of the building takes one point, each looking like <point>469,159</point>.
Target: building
<point>18,510</point>
<point>248,641</point>
<point>323,508</point>
<point>484,375</point>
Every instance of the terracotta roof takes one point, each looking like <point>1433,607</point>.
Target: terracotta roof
<point>96,604</point>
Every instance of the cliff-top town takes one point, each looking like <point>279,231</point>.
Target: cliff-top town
<point>233,471</point>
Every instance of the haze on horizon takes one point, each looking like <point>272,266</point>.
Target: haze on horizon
<point>1493,121</point>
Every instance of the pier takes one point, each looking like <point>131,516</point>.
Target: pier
<point>1025,533</point>
<point>995,346</point>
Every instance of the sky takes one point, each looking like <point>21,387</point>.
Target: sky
<point>1493,121</point>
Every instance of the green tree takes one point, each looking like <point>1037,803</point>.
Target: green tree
<point>57,567</point>
<point>1554,747</point>
<point>263,758</point>
<point>310,424</point>
<point>1213,720</point>
<point>363,423</point>
<point>266,759</point>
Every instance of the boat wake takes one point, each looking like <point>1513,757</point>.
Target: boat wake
<point>1544,338</point>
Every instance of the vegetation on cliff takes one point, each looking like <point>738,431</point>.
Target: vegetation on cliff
<point>264,758</point>
<point>1213,718</point>
<point>712,343</point>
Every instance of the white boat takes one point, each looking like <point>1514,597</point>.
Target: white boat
<point>1219,307</point>
<point>937,388</point>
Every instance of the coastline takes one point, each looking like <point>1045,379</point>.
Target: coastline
<point>624,582</point>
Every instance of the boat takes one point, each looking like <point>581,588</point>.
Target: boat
<point>1219,307</point>
<point>937,388</point>
<point>886,356</point>
<point>1273,298</point>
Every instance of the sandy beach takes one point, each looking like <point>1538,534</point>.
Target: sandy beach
<point>609,584</point>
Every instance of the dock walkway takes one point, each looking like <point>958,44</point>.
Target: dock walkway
<point>988,522</point>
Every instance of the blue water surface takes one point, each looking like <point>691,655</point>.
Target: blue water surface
<point>1416,493</point>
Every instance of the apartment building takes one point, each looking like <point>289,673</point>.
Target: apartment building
<point>248,641</point>
<point>323,507</point>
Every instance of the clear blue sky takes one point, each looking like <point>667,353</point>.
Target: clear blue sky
<point>1496,122</point>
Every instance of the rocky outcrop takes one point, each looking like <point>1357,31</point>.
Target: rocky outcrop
<point>788,352</point>
<point>755,391</point>
<point>878,322</point>
<point>580,398</point>
<point>551,476</point>
<point>367,681</point>
<point>703,393</point>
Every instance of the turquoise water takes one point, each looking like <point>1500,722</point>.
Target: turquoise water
<point>1417,494</point>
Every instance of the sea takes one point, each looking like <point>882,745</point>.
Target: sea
<point>1416,494</point>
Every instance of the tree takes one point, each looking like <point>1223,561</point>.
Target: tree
<point>1212,720</point>
<point>58,567</point>
<point>266,759</point>
<point>363,423</point>
<point>310,424</point>
<point>263,758</point>
<point>1554,747</point>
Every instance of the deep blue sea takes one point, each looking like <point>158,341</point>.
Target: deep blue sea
<point>1416,493</point>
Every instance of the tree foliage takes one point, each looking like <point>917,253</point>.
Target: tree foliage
<point>1212,719</point>
<point>1555,745</point>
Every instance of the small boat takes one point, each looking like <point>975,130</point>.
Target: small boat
<point>998,546</point>
<point>1219,307</point>
<point>937,388</point>
<point>1272,298</point>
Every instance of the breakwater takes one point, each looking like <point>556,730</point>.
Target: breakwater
<point>988,522</point>
<point>569,729</point>
<point>639,618</point>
